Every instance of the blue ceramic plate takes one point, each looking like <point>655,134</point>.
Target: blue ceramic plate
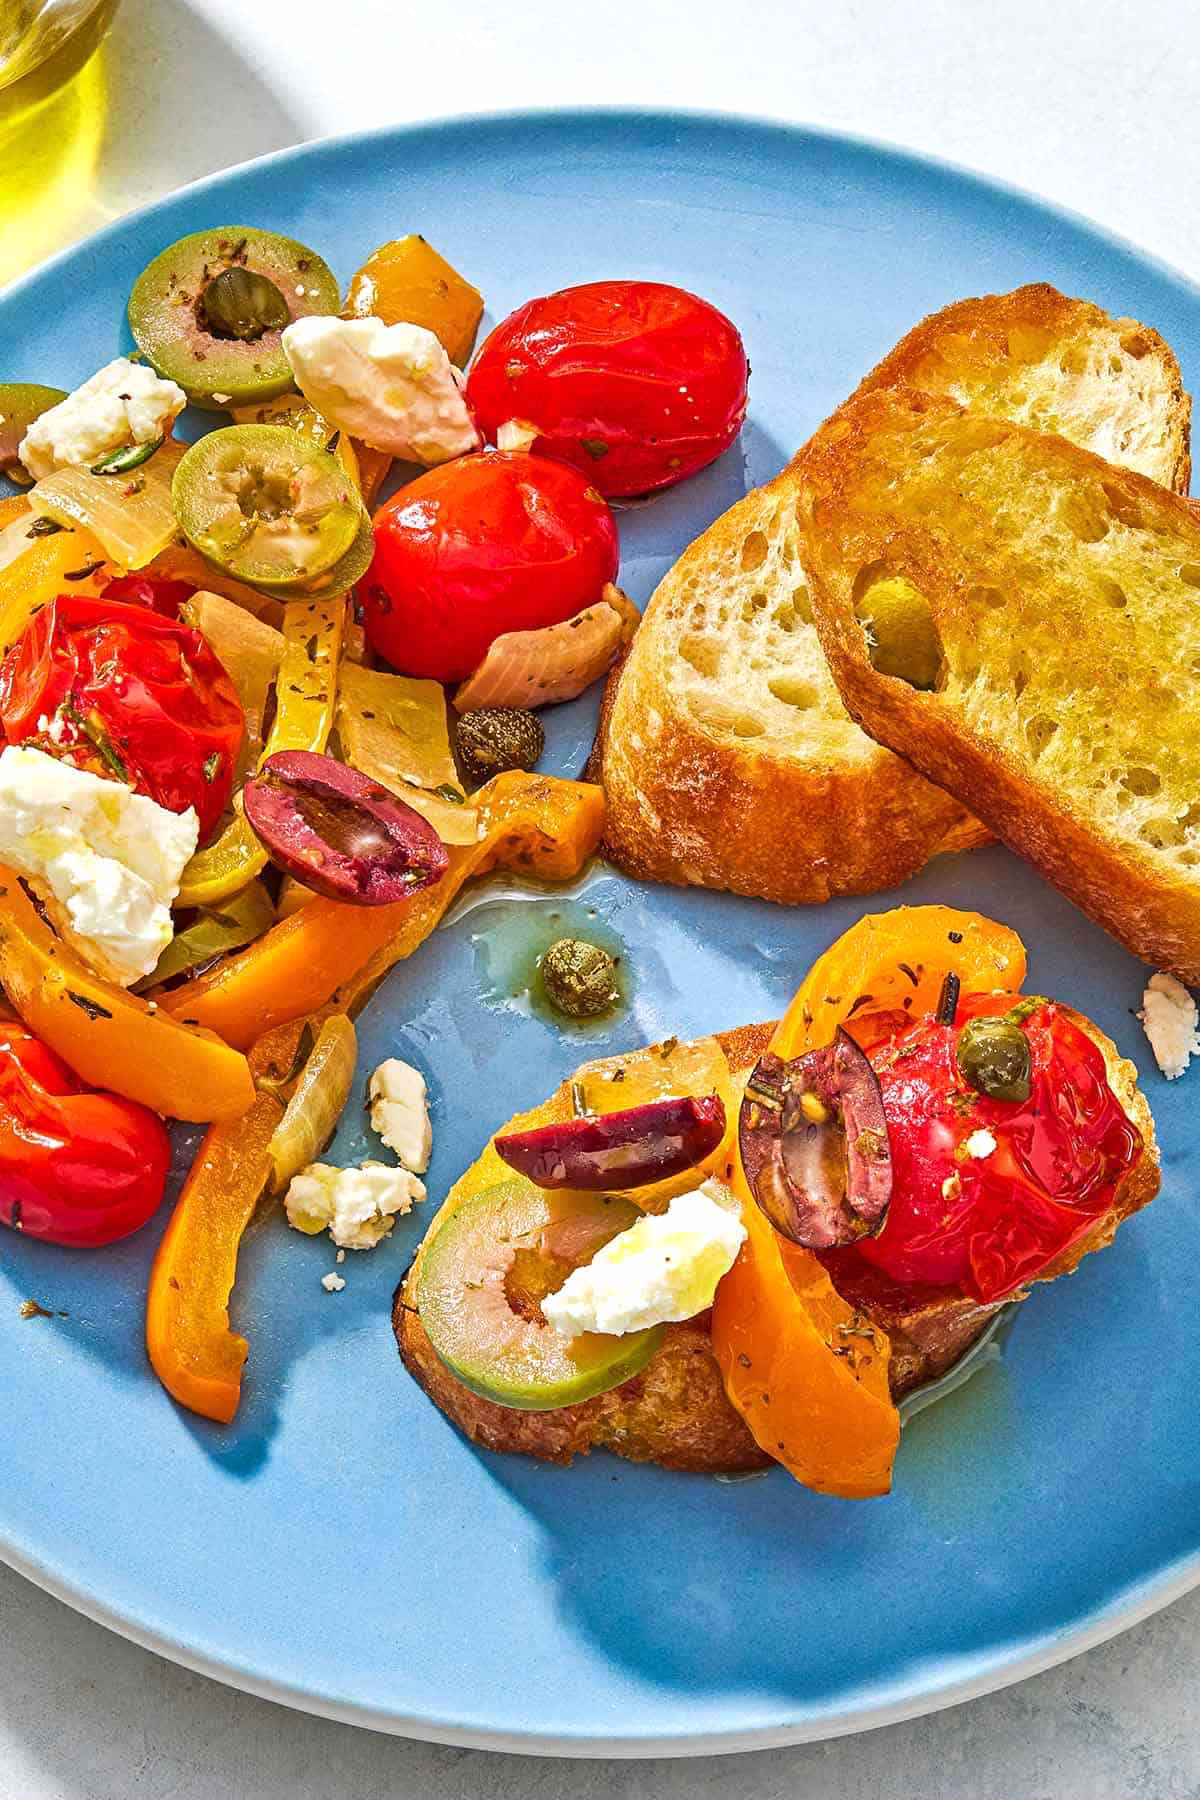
<point>340,1547</point>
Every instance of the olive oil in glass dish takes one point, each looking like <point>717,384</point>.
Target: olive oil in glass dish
<point>43,43</point>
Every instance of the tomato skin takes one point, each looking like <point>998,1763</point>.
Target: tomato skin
<point>148,687</point>
<point>986,1224</point>
<point>499,542</point>
<point>637,383</point>
<point>77,1167</point>
<point>161,594</point>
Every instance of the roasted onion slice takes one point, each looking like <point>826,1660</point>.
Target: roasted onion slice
<point>815,1146</point>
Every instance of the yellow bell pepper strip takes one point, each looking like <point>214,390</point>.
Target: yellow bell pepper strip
<point>538,824</point>
<point>192,1349</point>
<point>394,729</point>
<point>70,561</point>
<point>408,281</point>
<point>305,695</point>
<point>112,1039</point>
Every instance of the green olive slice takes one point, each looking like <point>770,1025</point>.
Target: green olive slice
<point>267,506</point>
<point>21,402</point>
<point>210,310</point>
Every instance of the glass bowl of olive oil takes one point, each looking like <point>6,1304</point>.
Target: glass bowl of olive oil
<point>43,43</point>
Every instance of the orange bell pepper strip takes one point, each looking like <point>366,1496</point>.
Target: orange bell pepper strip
<point>539,824</point>
<point>192,1350</point>
<point>71,561</point>
<point>111,1038</point>
<point>807,1373</point>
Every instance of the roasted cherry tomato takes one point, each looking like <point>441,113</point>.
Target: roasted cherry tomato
<point>120,690</point>
<point>987,1192</point>
<point>638,383</point>
<point>483,545</point>
<point>158,593</point>
<point>76,1166</point>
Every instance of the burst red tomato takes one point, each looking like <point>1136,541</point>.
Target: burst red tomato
<point>76,1166</point>
<point>638,383</point>
<point>486,544</point>
<point>987,1192</point>
<point>127,694</point>
<point>158,592</point>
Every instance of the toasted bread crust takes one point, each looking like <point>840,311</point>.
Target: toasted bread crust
<point>914,486</point>
<point>1025,356</point>
<point>706,783</point>
<point>698,806</point>
<point>676,1413</point>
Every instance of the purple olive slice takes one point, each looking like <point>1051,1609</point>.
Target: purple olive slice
<point>815,1146</point>
<point>339,832</point>
<point>618,1149</point>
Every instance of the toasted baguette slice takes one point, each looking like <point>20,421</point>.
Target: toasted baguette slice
<point>676,1412</point>
<point>727,756</point>
<point>1057,598</point>
<point>1055,364</point>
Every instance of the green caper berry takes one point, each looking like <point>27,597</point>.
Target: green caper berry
<point>241,304</point>
<point>993,1057</point>
<point>579,978</point>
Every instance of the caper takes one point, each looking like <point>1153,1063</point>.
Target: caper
<point>580,979</point>
<point>239,303</point>
<point>993,1057</point>
<point>495,738</point>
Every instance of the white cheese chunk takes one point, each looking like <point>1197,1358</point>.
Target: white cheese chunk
<point>110,858</point>
<point>123,404</point>
<point>393,386</point>
<point>333,1283</point>
<point>664,1267</point>
<point>981,1143</point>
<point>359,1206</point>
<point>400,1113</point>
<point>1170,1018</point>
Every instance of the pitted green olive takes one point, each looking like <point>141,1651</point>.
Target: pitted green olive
<point>994,1058</point>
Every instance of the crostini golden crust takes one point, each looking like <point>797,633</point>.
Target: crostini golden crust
<point>1060,596</point>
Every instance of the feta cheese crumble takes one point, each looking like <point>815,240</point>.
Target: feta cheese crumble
<point>664,1267</point>
<point>1170,1018</point>
<point>333,1283</point>
<point>393,386</point>
<point>980,1143</point>
<point>359,1206</point>
<point>400,1113</point>
<point>124,403</point>
<point>111,859</point>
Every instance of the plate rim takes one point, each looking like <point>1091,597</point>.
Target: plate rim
<point>1141,1600</point>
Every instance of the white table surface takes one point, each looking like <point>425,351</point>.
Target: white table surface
<point>1090,102</point>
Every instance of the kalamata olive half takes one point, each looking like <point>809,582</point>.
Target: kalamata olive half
<point>339,832</point>
<point>815,1146</point>
<point>619,1149</point>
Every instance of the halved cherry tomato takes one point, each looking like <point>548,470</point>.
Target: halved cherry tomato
<point>77,1167</point>
<point>486,544</point>
<point>988,1192</point>
<point>128,694</point>
<point>638,383</point>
